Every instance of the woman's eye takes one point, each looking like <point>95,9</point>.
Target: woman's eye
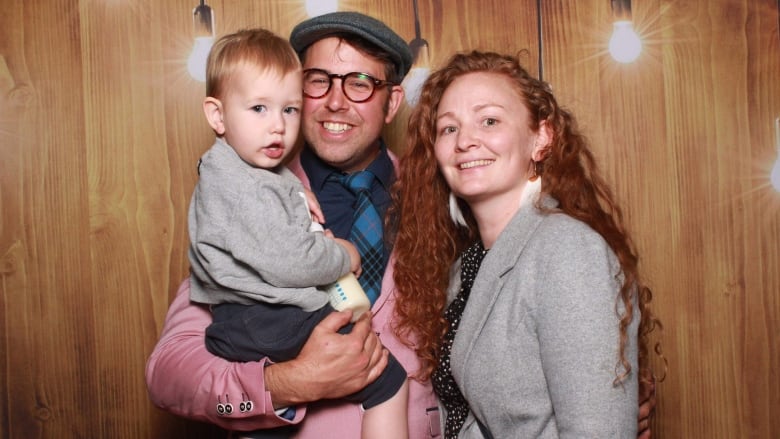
<point>449,129</point>
<point>489,122</point>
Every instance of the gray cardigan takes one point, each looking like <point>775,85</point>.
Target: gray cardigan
<point>536,352</point>
<point>249,238</point>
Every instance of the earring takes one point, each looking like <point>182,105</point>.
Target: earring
<point>455,213</point>
<point>536,170</point>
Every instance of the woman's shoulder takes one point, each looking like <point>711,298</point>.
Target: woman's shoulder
<point>566,232</point>
<point>562,222</point>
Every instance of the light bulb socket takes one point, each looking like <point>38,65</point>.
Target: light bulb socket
<point>621,10</point>
<point>419,49</point>
<point>202,21</point>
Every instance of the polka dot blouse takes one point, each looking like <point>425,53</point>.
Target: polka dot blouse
<point>443,383</point>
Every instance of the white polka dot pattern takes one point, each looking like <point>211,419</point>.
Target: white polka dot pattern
<point>443,382</point>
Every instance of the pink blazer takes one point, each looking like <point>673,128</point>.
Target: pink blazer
<point>185,379</point>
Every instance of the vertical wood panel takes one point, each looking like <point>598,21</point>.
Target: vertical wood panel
<point>130,210</point>
<point>45,337</point>
<point>679,135</point>
<point>101,128</point>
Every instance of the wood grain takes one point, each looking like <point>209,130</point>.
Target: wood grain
<point>101,129</point>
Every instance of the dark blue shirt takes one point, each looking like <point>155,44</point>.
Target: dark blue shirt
<point>336,201</point>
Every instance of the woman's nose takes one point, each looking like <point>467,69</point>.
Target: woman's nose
<point>466,140</point>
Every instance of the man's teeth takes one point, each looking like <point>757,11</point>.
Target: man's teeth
<point>335,127</point>
<point>468,165</point>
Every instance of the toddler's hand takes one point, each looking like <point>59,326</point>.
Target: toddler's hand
<point>354,256</point>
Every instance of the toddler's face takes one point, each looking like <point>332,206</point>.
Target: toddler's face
<point>261,113</point>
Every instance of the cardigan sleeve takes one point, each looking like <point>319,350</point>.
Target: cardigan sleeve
<point>252,243</point>
<point>275,241</point>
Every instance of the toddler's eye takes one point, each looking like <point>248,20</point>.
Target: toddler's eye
<point>259,109</point>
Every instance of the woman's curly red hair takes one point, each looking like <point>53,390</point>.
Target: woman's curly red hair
<point>427,242</point>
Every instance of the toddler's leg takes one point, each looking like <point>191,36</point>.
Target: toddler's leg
<point>388,419</point>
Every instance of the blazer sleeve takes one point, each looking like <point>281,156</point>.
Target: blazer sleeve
<point>183,378</point>
<point>578,333</point>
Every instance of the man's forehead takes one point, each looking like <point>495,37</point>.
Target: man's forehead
<point>338,56</point>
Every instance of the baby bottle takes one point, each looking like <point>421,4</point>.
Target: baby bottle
<point>346,293</point>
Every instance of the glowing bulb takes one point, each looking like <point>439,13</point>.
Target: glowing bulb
<point>413,84</point>
<point>196,63</point>
<point>203,20</point>
<point>416,77</point>
<point>319,7</point>
<point>774,177</point>
<point>624,45</point>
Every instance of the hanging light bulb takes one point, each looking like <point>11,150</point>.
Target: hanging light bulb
<point>624,45</point>
<point>315,8</point>
<point>413,84</point>
<point>774,177</point>
<point>419,72</point>
<point>420,67</point>
<point>203,33</point>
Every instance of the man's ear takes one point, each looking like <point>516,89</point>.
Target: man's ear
<point>394,102</point>
<point>212,107</point>
<point>544,138</point>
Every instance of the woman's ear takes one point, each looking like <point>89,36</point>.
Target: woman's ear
<point>212,107</point>
<point>544,138</point>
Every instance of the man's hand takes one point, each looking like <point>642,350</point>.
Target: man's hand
<point>330,365</point>
<point>646,403</point>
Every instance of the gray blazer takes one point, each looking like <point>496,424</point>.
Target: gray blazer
<point>536,352</point>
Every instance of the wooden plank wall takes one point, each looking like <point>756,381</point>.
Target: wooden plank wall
<point>686,136</point>
<point>100,129</point>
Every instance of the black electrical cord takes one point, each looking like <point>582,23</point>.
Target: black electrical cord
<point>539,37</point>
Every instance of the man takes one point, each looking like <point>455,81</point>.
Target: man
<point>342,120</point>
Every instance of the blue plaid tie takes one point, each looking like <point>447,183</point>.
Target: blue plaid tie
<point>366,233</point>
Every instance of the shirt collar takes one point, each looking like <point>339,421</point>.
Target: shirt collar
<point>318,171</point>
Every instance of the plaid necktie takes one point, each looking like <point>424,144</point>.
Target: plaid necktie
<point>366,233</point>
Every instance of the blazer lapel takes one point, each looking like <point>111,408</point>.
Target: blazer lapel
<point>488,286</point>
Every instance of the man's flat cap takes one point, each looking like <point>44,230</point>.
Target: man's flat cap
<point>370,29</point>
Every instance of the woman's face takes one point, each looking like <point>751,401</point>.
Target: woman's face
<point>483,143</point>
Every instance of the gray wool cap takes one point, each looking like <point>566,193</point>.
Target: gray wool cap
<point>314,29</point>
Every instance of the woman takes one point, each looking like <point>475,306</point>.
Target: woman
<point>545,336</point>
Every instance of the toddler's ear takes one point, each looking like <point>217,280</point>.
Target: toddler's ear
<point>212,107</point>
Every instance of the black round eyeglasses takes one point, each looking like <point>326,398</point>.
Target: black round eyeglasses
<point>357,87</point>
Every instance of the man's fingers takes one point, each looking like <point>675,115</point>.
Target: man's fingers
<point>380,365</point>
<point>335,321</point>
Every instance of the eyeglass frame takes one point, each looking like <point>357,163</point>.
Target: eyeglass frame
<point>377,83</point>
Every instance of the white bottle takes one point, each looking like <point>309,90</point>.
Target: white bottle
<point>346,293</point>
